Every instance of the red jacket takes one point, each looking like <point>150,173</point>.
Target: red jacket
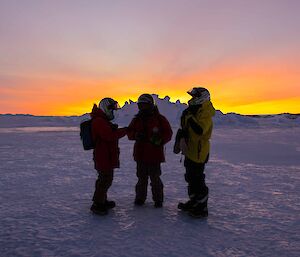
<point>106,152</point>
<point>144,149</point>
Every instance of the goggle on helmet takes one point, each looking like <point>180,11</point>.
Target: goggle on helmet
<point>197,91</point>
<point>199,96</point>
<point>108,104</point>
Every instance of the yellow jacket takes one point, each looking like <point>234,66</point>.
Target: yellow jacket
<point>198,144</point>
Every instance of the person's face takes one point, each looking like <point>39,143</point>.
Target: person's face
<point>114,106</point>
<point>144,107</point>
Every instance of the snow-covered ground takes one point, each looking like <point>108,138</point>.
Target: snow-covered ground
<point>47,181</point>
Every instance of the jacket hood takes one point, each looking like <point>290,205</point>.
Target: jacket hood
<point>96,112</point>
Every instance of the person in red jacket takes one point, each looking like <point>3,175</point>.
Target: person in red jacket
<point>106,153</point>
<point>151,131</point>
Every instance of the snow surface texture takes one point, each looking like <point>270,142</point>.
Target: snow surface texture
<point>171,110</point>
<point>47,182</point>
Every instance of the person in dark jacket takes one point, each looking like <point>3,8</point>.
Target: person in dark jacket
<point>151,131</point>
<point>106,153</point>
<point>193,141</point>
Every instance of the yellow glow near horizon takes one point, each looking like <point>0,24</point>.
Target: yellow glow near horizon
<point>264,107</point>
<point>250,90</point>
<point>268,107</point>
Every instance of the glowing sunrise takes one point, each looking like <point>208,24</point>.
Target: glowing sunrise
<point>58,58</point>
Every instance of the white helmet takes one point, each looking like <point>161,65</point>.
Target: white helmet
<point>199,95</point>
<point>108,105</point>
<point>146,98</point>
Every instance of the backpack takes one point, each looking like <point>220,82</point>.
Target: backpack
<point>86,135</point>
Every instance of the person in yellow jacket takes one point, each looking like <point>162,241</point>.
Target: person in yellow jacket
<point>192,140</point>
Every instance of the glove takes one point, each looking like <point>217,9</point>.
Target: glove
<point>114,126</point>
<point>194,109</point>
<point>156,140</point>
<point>176,148</point>
<point>183,146</point>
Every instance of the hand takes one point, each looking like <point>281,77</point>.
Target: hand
<point>193,109</point>
<point>183,146</point>
<point>181,133</point>
<point>114,126</point>
<point>156,140</point>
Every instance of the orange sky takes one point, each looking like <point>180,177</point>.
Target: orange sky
<point>59,59</point>
<point>246,88</point>
<point>246,94</point>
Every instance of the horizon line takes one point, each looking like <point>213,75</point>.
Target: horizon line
<point>36,115</point>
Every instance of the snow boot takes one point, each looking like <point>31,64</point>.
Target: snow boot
<point>199,212</point>
<point>100,209</point>
<point>186,206</point>
<point>139,202</point>
<point>199,209</point>
<point>158,204</point>
<point>110,204</point>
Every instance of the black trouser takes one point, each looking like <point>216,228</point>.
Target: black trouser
<point>195,177</point>
<point>102,185</point>
<point>144,171</point>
